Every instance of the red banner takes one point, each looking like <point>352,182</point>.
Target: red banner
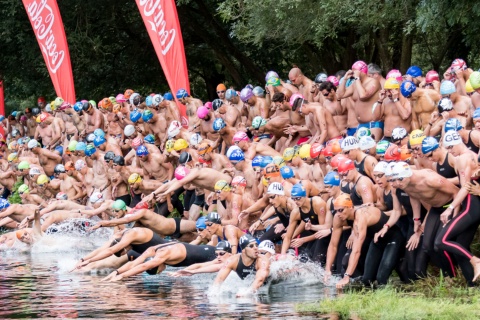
<point>48,28</point>
<point>2,105</point>
<point>161,19</point>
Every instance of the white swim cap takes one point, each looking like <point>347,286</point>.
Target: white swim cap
<point>267,245</point>
<point>32,144</point>
<point>381,167</point>
<point>451,138</point>
<point>276,188</point>
<point>349,143</point>
<point>366,143</point>
<point>402,170</point>
<point>174,129</point>
<point>97,197</point>
<point>129,130</point>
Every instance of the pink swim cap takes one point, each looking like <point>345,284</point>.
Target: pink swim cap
<point>458,64</point>
<point>202,112</point>
<point>295,97</point>
<point>23,118</point>
<point>360,65</point>
<point>120,98</point>
<point>333,80</point>
<point>208,105</point>
<point>181,172</point>
<point>240,136</point>
<point>394,73</point>
<point>431,76</point>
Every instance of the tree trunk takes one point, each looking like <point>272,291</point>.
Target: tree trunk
<point>406,56</point>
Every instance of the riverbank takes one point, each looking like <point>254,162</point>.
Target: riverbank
<point>431,298</point>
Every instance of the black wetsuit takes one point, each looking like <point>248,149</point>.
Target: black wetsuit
<point>244,271</point>
<point>470,145</point>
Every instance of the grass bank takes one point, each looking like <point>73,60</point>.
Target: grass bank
<point>432,298</point>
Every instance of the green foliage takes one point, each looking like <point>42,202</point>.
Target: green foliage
<point>15,197</point>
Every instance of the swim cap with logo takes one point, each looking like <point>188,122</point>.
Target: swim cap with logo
<point>257,160</point>
<point>445,104</point>
<point>458,64</point>
<point>240,136</point>
<point>134,178</point>
<point>204,148</point>
<point>119,205</point>
<point>224,246</point>
<point>135,115</point>
<point>332,179</point>
<point>475,80</point>
<point>345,166</point>
<point>416,137</point>
<point>288,154</point>
<point>321,77</point>
<point>360,65</point>
<point>380,167</point>
<point>230,94</point>
<point>258,122</point>
<point>245,240</point>
<point>362,132</point>
<point>267,245</point>
<point>399,133</point>
<point>316,150</point>
<point>333,80</point>
<point>429,144</point>
<point>32,144</point>
<point>336,160</point>
<point>401,170</point>
<point>396,74</point>
<point>304,151</point>
<point>182,93</point>
<point>246,94</point>
<point>392,153</point>
<point>366,143</point>
<point>453,124</point>
<point>271,170</point>
<point>266,160</point>
<point>181,172</point>
<point>218,124</point>
<point>431,76</point>
<point>271,74</point>
<point>298,190</point>
<point>349,143</point>
<point>213,217</point>
<point>239,181</point>
<point>391,83</point>
<point>343,200</point>
<point>294,97</point>
<point>447,87</point>
<point>97,197</point>
<point>222,185</point>
<point>174,129</point>
<point>451,138</point>
<point>61,196</point>
<point>414,71</point>
<point>286,172</point>
<point>42,179</point>
<point>80,164</point>
<point>276,188</point>
<point>407,88</point>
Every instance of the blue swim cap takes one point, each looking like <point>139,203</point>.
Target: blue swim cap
<point>257,160</point>
<point>201,223</point>
<point>99,133</point>
<point>332,179</point>
<point>78,106</point>
<point>453,124</point>
<point>135,115</point>
<point>89,150</point>
<point>4,204</point>
<point>414,71</point>
<point>149,101</point>
<point>149,139</point>
<point>2,117</point>
<point>236,156</point>
<point>286,172</point>
<point>447,87</point>
<point>20,141</point>
<point>476,113</point>
<point>230,94</point>
<point>407,88</point>
<point>429,144</point>
<point>98,141</point>
<point>81,146</point>
<point>182,93</point>
<point>382,147</point>
<point>142,151</point>
<point>266,160</point>
<point>59,149</point>
<point>147,115</point>
<point>218,124</point>
<point>168,96</point>
<point>298,190</point>
<point>14,113</point>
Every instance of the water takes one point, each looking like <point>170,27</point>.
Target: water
<point>37,284</point>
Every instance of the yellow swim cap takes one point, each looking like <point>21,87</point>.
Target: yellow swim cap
<point>134,178</point>
<point>288,154</point>
<point>180,144</point>
<point>279,161</point>
<point>169,145</point>
<point>391,83</point>
<point>304,151</point>
<point>264,182</point>
<point>222,185</point>
<point>12,156</point>
<point>42,179</point>
<point>416,137</point>
<point>468,86</point>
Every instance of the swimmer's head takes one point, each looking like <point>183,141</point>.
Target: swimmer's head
<point>96,199</point>
<point>24,236</point>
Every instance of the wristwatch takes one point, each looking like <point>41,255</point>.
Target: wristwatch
<point>396,100</point>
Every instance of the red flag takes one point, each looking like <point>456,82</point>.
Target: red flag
<point>2,106</point>
<point>161,19</point>
<point>48,28</point>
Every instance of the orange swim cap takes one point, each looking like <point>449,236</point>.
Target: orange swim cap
<point>336,149</point>
<point>271,170</point>
<point>128,93</point>
<point>327,152</point>
<point>392,153</point>
<point>343,200</point>
<point>405,153</point>
<point>204,148</point>
<point>221,87</point>
<point>19,234</point>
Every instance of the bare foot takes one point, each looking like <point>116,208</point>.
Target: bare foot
<point>476,267</point>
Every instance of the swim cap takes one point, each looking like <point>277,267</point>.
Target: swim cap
<point>61,196</point>
<point>42,179</point>
<point>382,147</point>
<point>256,161</point>
<point>72,145</point>
<point>136,142</point>
<point>168,96</point>
<point>80,164</point>
<point>147,115</point>
<point>90,137</point>
<point>276,188</point>
<point>134,99</point>
<point>445,104</point>
<point>345,166</point>
<point>405,153</point>
<point>106,104</point>
<point>304,151</point>
<point>149,101</point>
<point>380,167</point>
<point>349,143</point>
<point>458,64</point>
<point>266,160</point>
<point>65,105</point>
<point>181,172</point>
<point>150,139</point>
<point>142,151</point>
<point>399,133</point>
<point>59,168</point>
<point>360,65</point>
<point>120,98</point>
<point>184,157</point>
<point>327,151</point>
<point>362,132</point>
<point>90,150</point>
<point>97,197</point>
<point>98,141</point>
<point>429,144</point>
<point>271,74</point>
<point>128,93</point>
<point>447,87</point>
<point>195,139</point>
<point>294,97</point>
<point>245,240</point>
<point>78,106</point>
<point>451,138</point>
<point>12,156</point>
<point>246,94</point>
<point>407,88</point>
<point>235,155</point>
<point>4,204</point>
<point>476,114</point>
<point>288,154</point>
<point>431,76</point>
<point>129,130</point>
<point>468,87</point>
<point>396,74</point>
<point>416,137</point>
<point>298,190</point>
<point>392,153</point>
<point>343,200</point>
<point>32,144</point>
<point>218,124</point>
<point>321,77</point>
<point>273,81</point>
<point>58,102</point>
<point>35,111</point>
<point>23,165</point>
<point>34,171</point>
<point>316,150</point>
<point>222,185</point>
<point>109,155</point>
<point>258,122</point>
<point>119,160</point>
<point>182,93</point>
<point>200,224</point>
<point>23,189</point>
<point>221,87</point>
<point>134,178</point>
<point>240,136</point>
<point>475,80</point>
<point>402,170</point>
<point>239,181</point>
<point>267,245</point>
<point>258,92</point>
<point>333,80</point>
<point>180,144</point>
<point>230,94</point>
<point>135,115</point>
<point>391,83</point>
<point>278,160</point>
<point>119,205</point>
<point>332,179</point>
<point>453,124</point>
<point>224,246</point>
<point>174,129</point>
<point>202,112</point>
<point>156,100</point>
<point>85,105</point>
<point>414,71</point>
<point>213,217</point>
<point>204,148</point>
<point>336,160</point>
<point>286,172</point>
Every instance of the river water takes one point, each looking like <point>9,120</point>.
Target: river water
<point>36,283</point>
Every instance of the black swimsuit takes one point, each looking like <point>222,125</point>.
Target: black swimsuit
<point>244,271</point>
<point>470,145</point>
<point>310,215</point>
<point>356,199</point>
<point>445,169</point>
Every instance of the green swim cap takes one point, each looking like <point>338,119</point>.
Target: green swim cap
<point>23,189</point>
<point>273,81</point>
<point>72,145</point>
<point>382,147</point>
<point>23,165</point>
<point>119,205</point>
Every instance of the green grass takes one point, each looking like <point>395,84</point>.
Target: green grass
<point>431,298</point>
